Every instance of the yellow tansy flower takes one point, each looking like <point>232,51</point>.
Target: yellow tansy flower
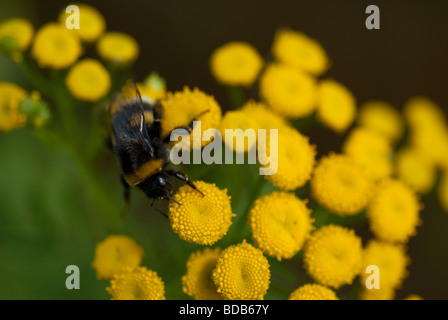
<point>11,96</point>
<point>15,36</point>
<point>413,297</point>
<point>341,185</point>
<point>280,223</point>
<point>371,151</point>
<point>313,291</point>
<point>384,293</point>
<point>295,159</point>
<point>429,130</point>
<point>182,107</point>
<point>88,80</point>
<point>239,119</point>
<point>253,115</point>
<point>91,22</point>
<point>114,254</point>
<point>443,191</point>
<point>236,63</point>
<point>432,142</point>
<point>118,48</point>
<point>390,259</point>
<point>264,117</point>
<point>333,256</point>
<point>415,169</point>
<point>298,50</point>
<point>336,106</point>
<point>393,212</point>
<point>154,87</point>
<point>242,273</point>
<point>198,281</point>
<point>137,284</point>
<point>55,46</point>
<point>201,219</point>
<point>289,92</point>
<point>422,113</point>
<point>381,117</point>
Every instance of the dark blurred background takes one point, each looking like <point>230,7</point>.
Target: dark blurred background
<point>406,57</point>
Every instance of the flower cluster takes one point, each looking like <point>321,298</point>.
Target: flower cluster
<point>118,258</point>
<point>305,212</point>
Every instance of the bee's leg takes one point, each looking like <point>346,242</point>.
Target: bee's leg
<point>162,213</point>
<point>157,110</point>
<point>127,193</point>
<point>182,177</point>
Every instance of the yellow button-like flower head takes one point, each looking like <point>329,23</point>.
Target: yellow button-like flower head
<point>236,63</point>
<point>201,219</point>
<point>371,151</point>
<point>182,107</point>
<point>289,92</point>
<point>15,37</point>
<point>198,281</point>
<point>118,48</point>
<point>341,185</point>
<point>280,223</point>
<point>11,96</point>
<point>381,117</point>
<point>154,87</point>
<point>298,50</point>
<point>242,273</point>
<point>264,117</point>
<point>295,159</point>
<point>384,293</point>
<point>235,120</point>
<point>91,22</point>
<point>137,284</point>
<point>415,169</point>
<point>55,46</point>
<point>422,113</point>
<point>114,254</point>
<point>394,211</point>
<point>336,106</point>
<point>413,297</point>
<point>88,80</point>
<point>313,291</point>
<point>333,256</point>
<point>391,261</point>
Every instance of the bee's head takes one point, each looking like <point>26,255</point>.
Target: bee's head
<point>157,186</point>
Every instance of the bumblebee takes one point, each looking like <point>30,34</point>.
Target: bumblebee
<point>137,143</point>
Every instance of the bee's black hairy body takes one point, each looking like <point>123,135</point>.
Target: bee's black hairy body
<point>137,143</point>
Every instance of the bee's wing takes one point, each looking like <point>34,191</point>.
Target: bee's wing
<point>134,119</point>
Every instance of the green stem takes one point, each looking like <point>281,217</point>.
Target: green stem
<point>236,96</point>
<point>306,122</point>
<point>97,190</point>
<point>240,229</point>
<point>323,217</point>
<point>37,80</point>
<point>65,106</point>
<point>95,138</point>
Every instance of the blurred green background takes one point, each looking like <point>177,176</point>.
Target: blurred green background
<point>49,218</point>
